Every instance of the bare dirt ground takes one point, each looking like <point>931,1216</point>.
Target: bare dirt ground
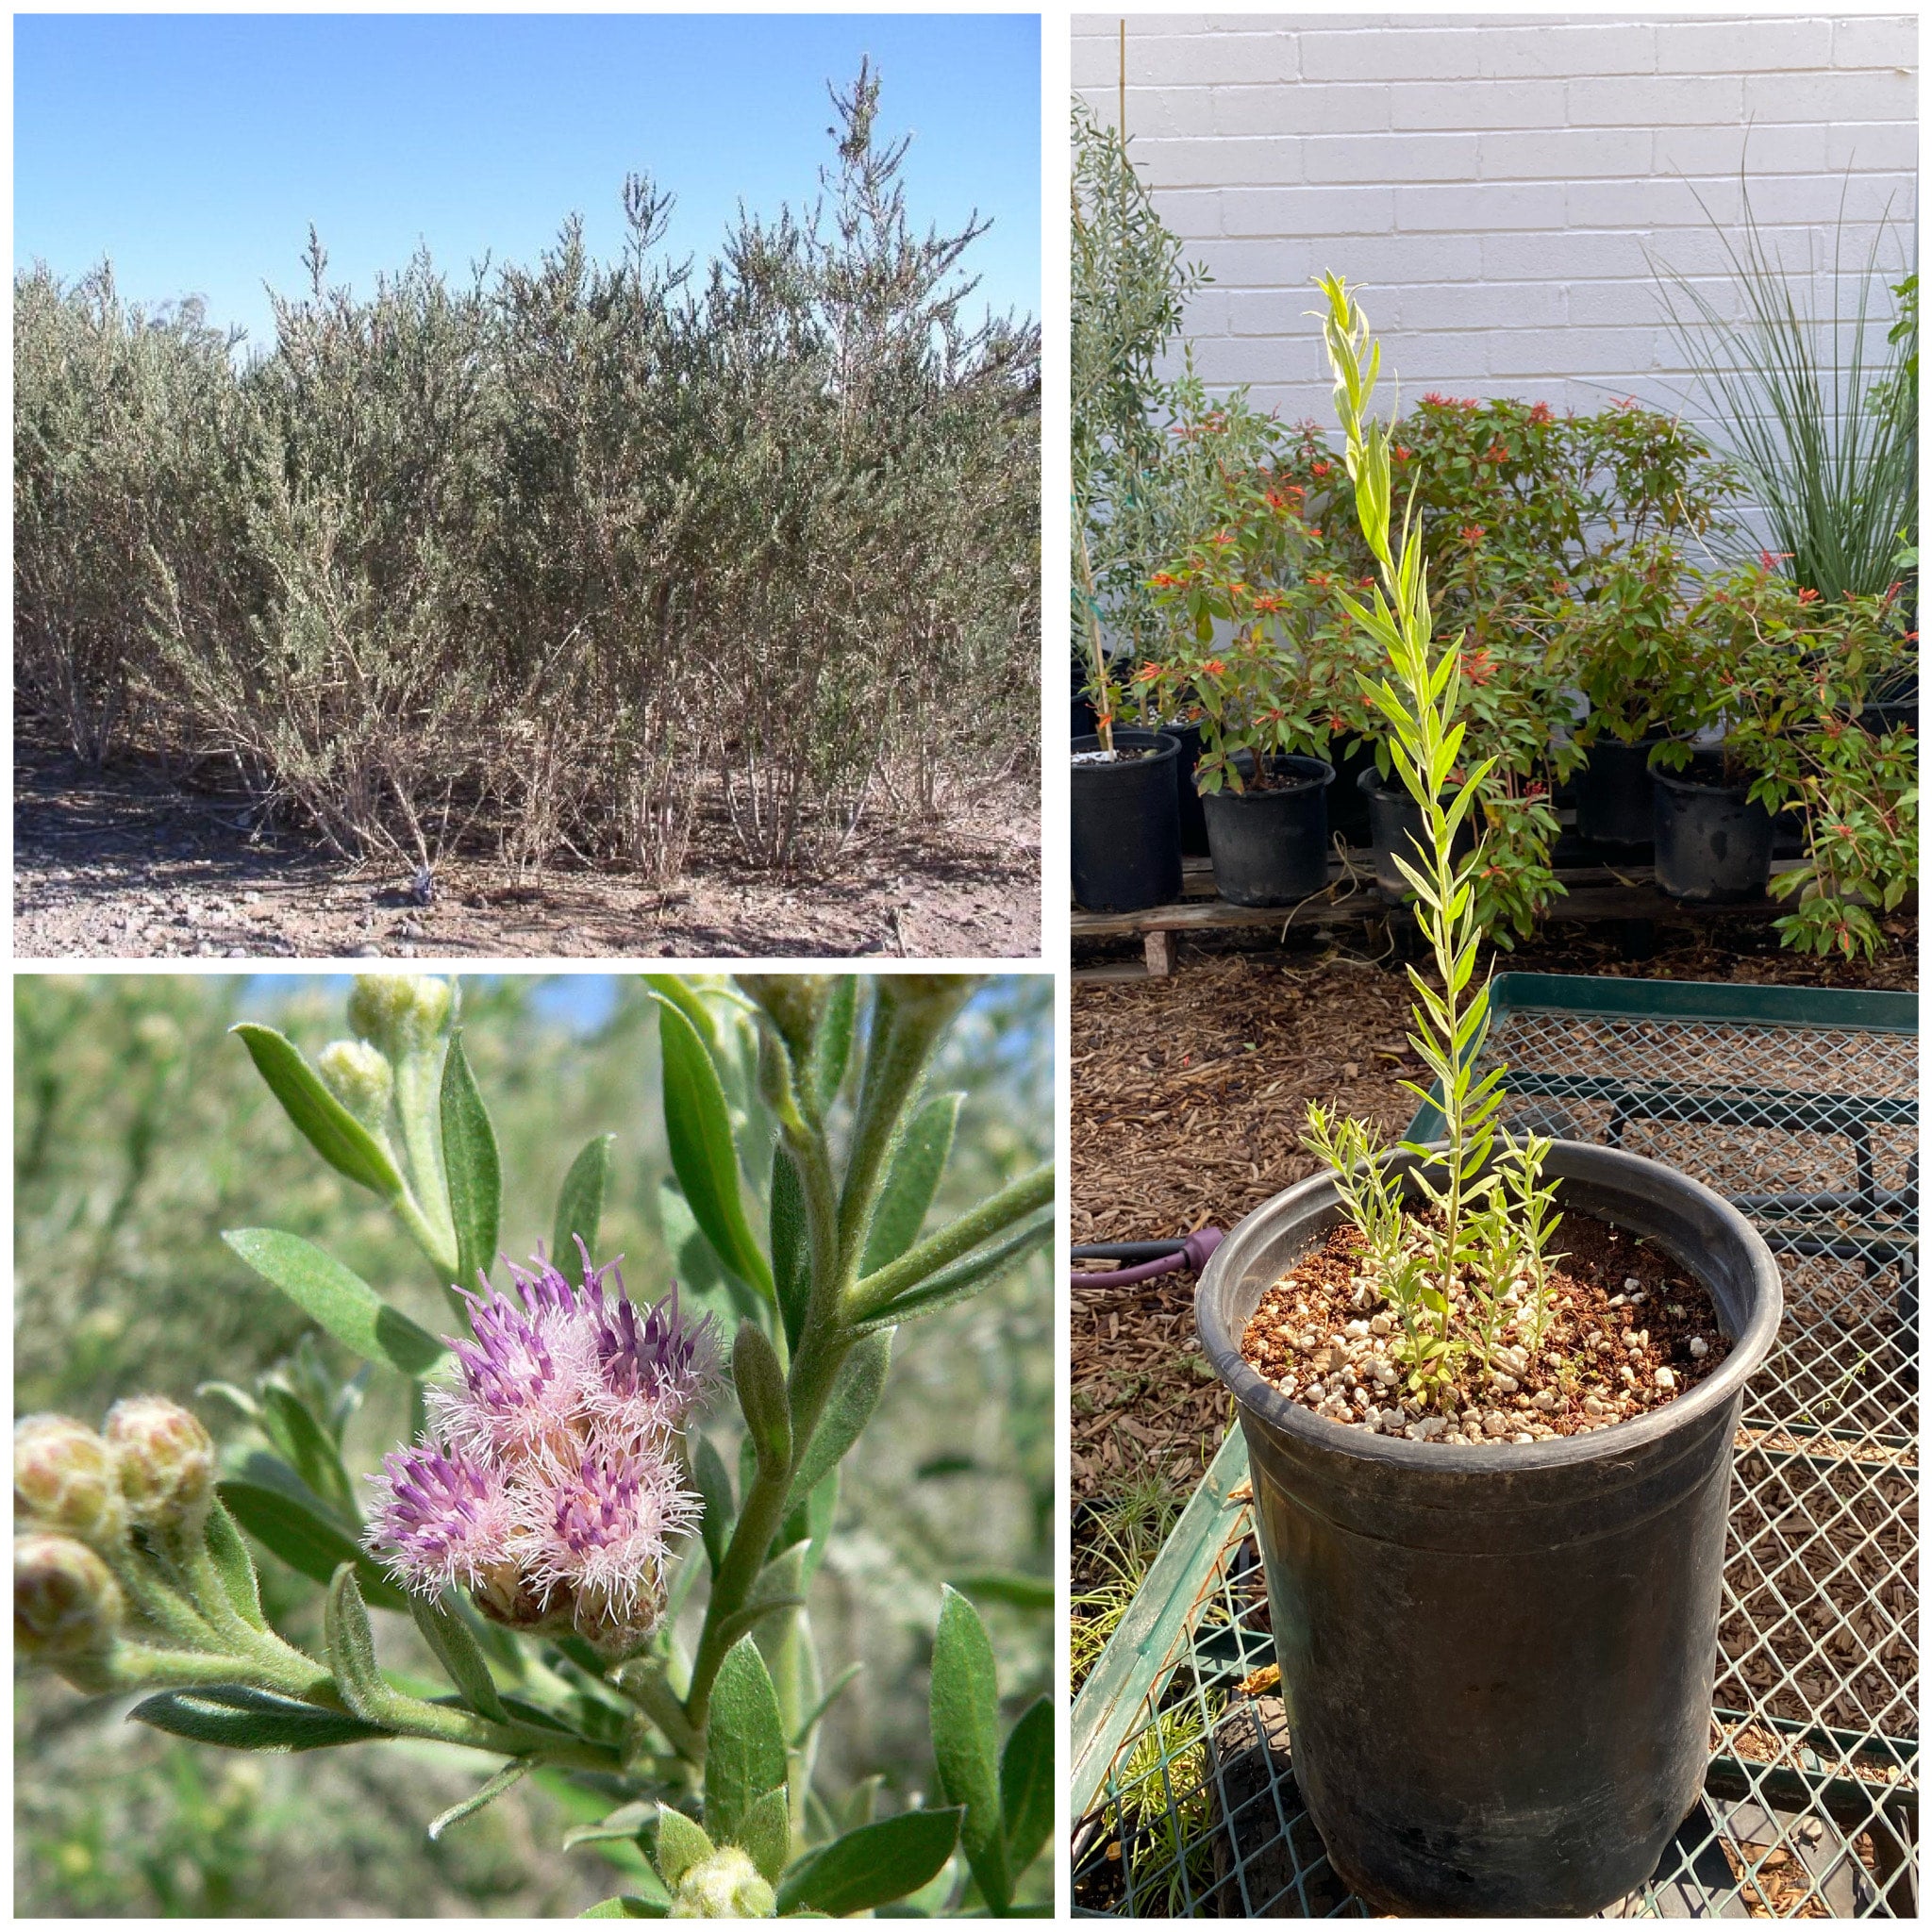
<point>123,864</point>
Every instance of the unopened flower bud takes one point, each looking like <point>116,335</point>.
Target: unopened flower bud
<point>63,1479</point>
<point>165,1460</point>
<point>724,1885</point>
<point>359,1078</point>
<point>400,1012</point>
<point>66,1603</point>
<point>793,1002</point>
<point>933,997</point>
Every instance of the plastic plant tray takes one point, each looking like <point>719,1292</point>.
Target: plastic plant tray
<point>1802,1106</point>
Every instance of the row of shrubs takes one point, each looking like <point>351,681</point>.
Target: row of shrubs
<point>567,556</point>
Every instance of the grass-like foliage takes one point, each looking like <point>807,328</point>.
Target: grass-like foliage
<point>567,555</point>
<point>1820,419</point>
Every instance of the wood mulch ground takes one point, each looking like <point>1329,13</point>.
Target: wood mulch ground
<point>1188,1095</point>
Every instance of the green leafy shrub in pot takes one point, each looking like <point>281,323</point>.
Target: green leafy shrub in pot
<point>560,1503</point>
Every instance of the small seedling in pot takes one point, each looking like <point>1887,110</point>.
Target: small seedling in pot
<point>1490,1217</point>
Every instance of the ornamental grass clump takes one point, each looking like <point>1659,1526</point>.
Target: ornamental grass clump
<point>612,1600</point>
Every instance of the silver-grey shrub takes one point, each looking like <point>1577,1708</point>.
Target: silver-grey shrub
<point>565,555</point>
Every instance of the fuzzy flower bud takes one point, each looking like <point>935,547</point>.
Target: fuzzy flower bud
<point>400,1012</point>
<point>66,1603</point>
<point>930,997</point>
<point>793,1002</point>
<point>165,1460</point>
<point>64,1479</point>
<point>724,1885</point>
<point>359,1078</point>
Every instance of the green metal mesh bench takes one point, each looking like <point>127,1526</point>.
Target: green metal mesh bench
<point>1800,1106</point>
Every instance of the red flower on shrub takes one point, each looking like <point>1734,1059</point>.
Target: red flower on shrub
<point>1322,469</point>
<point>1148,674</point>
<point>1476,666</point>
<point>1403,455</point>
<point>1472,534</point>
<point>1213,668</point>
<point>1540,412</point>
<point>1269,602</point>
<point>1166,579</point>
<point>1437,398</point>
<point>1808,596</point>
<point>1769,559</point>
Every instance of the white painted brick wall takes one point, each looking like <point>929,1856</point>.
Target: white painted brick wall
<point>1492,182</point>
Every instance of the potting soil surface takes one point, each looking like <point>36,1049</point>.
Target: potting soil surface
<point>1625,1332</point>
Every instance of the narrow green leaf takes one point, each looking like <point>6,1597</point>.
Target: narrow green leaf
<point>766,1834</point>
<point>337,1300</point>
<point>743,1621</point>
<point>744,1742</point>
<point>682,1842</point>
<point>832,1051</point>
<point>316,1459</point>
<point>241,1718</point>
<point>817,1714</point>
<point>873,1865</point>
<point>1026,1786</point>
<point>698,1126</point>
<point>351,1649</point>
<point>624,1826</point>
<point>471,1163</point>
<point>690,1002</point>
<point>860,1382</point>
<point>1005,1587</point>
<point>966,1739</point>
<point>321,1119</point>
<point>911,1182</point>
<point>234,1566</point>
<point>713,1482</point>
<point>303,1535</point>
<point>961,1279</point>
<point>460,1657</point>
<point>626,1906</point>
<point>512,1772</point>
<point>580,1200</point>
<point>791,1244</point>
<point>760,1385</point>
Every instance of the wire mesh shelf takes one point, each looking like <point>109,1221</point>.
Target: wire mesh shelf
<point>1801,1106</point>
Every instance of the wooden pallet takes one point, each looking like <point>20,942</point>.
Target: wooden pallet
<point>1590,892</point>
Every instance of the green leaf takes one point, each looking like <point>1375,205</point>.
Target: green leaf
<point>1026,1786</point>
<point>580,1201</point>
<point>682,1842</point>
<point>966,1739</point>
<point>627,1907</point>
<point>911,1182</point>
<point>871,1866</point>
<point>856,1391</point>
<point>698,1126</point>
<point>742,1622</point>
<point>825,1704</point>
<point>460,1657</point>
<point>760,1385</point>
<point>302,1534</point>
<point>244,1719</point>
<point>351,1649</point>
<point>321,1119</point>
<point>234,1566</point>
<point>316,1459</point>
<point>1007,1587</point>
<point>960,1280</point>
<point>338,1301</point>
<point>512,1772</point>
<point>471,1160</point>
<point>713,1481</point>
<point>766,1834</point>
<point>791,1243</point>
<point>832,1051</point>
<point>744,1742</point>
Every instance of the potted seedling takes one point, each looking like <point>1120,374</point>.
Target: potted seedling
<point>1488,1385</point>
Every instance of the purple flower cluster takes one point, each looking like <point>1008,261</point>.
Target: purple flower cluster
<point>548,1484</point>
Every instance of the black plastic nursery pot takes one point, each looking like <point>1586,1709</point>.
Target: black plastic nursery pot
<point>1193,819</point>
<point>1713,845</point>
<point>1395,825</point>
<point>1497,1662</point>
<point>1348,805</point>
<point>1126,842</point>
<point>1613,792</point>
<point>1270,846</point>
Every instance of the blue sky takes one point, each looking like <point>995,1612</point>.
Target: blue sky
<point>194,151</point>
